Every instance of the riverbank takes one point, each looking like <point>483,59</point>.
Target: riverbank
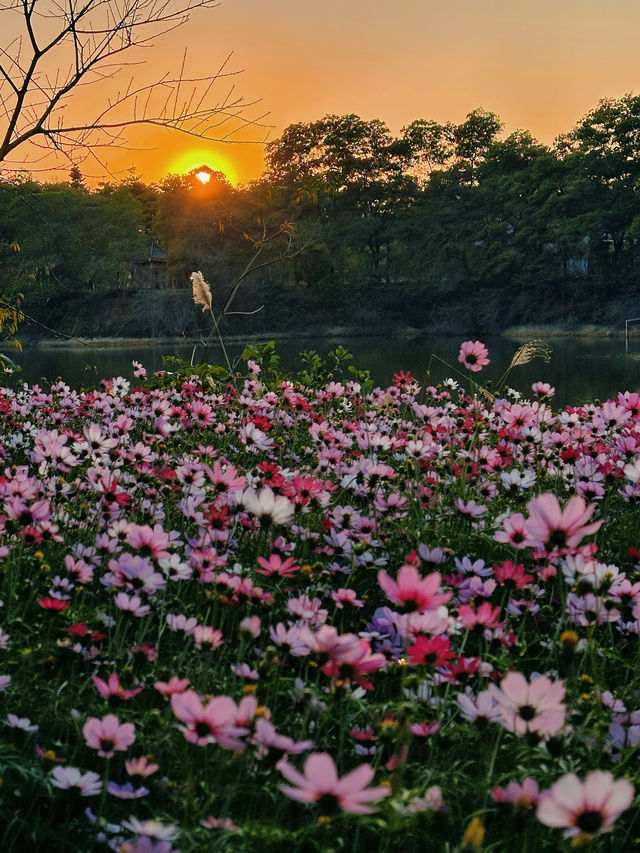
<point>588,331</point>
<point>516,333</point>
<point>170,317</point>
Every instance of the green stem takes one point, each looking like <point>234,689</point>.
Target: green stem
<point>224,350</point>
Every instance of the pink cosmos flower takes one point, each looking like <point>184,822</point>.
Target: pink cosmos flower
<point>432,800</point>
<point>473,354</point>
<point>140,372</point>
<point>543,389</point>
<point>350,656</point>
<point>35,513</point>
<point>131,604</point>
<point>149,542</point>
<point>212,822</point>
<point>140,766</point>
<point>270,743</point>
<point>530,707</point>
<point>112,687</point>
<point>516,416</point>
<point>243,670</point>
<point>354,663</point>
<point>290,639</point>
<point>513,531</point>
<point>251,625</point>
<point>108,735</point>
<point>554,529</point>
<point>246,711</point>
<point>210,723</point>
<point>275,565</point>
<point>174,685</point>
<point>181,623</point>
<point>523,795</point>
<point>321,783</point>
<point>308,610</point>
<point>225,480</point>
<point>485,616</point>
<point>133,572</point>
<point>205,635</point>
<point>471,509</point>
<point>480,706</point>
<point>585,808</point>
<point>80,568</point>
<point>411,591</point>
<point>424,729</point>
<point>346,596</point>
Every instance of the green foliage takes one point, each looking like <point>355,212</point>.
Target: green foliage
<point>209,375</point>
<point>69,239</point>
<point>267,359</point>
<point>318,371</point>
<point>445,226</point>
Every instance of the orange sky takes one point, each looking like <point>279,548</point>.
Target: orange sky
<point>540,65</point>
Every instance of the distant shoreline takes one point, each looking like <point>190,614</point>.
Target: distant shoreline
<point>514,332</point>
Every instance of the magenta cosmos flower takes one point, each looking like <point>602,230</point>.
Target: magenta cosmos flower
<point>555,529</point>
<point>535,707</point>
<point>411,591</point>
<point>320,783</point>
<point>585,808</point>
<point>108,735</point>
<point>473,354</point>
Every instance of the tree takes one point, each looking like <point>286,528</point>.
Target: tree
<point>51,50</point>
<point>472,140</point>
<point>603,151</point>
<point>76,179</point>
<point>430,146</point>
<point>70,240</point>
<point>337,155</point>
<point>606,140</point>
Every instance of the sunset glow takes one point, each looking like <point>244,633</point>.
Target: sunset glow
<point>289,63</point>
<point>196,158</point>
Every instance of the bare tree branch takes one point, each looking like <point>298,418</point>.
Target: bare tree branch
<point>57,47</point>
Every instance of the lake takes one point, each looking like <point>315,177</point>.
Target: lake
<point>581,369</point>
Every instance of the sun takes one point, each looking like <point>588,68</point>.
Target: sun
<point>195,158</point>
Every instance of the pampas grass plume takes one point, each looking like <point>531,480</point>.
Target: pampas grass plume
<point>201,291</point>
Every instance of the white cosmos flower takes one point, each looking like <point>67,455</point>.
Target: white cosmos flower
<point>632,470</point>
<point>267,506</point>
<point>89,783</point>
<point>151,828</point>
<point>516,479</point>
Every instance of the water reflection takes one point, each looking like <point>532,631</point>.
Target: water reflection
<point>580,369</point>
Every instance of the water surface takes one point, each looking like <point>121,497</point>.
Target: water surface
<point>580,369</point>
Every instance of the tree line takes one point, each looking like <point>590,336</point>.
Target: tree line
<point>442,226</point>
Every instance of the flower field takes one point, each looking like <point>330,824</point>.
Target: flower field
<point>316,615</point>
